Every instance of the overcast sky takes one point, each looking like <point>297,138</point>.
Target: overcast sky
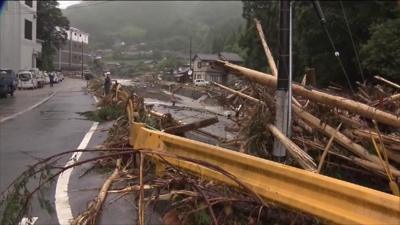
<point>65,4</point>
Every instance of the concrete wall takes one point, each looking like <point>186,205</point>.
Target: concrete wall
<point>16,52</point>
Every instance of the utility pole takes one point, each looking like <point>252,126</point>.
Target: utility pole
<point>59,58</point>
<point>82,60</point>
<point>190,52</point>
<point>283,92</point>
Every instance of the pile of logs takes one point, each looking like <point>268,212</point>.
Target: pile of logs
<point>359,129</point>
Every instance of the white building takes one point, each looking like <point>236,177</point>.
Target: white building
<point>74,54</point>
<point>19,48</point>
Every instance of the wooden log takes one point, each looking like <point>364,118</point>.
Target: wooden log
<point>271,61</point>
<point>234,94</point>
<point>349,122</point>
<point>366,134</point>
<point>329,131</point>
<point>387,82</point>
<point>373,166</point>
<point>393,98</point>
<point>238,93</point>
<point>317,96</point>
<point>295,151</point>
<point>340,138</point>
<point>180,129</point>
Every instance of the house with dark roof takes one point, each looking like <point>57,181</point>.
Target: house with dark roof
<point>202,66</point>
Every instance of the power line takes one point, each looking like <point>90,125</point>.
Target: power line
<point>318,9</point>
<point>352,41</point>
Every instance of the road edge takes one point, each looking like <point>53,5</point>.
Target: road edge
<point>13,116</point>
<point>62,205</point>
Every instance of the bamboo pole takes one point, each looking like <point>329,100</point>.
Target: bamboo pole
<point>317,96</point>
<point>270,58</point>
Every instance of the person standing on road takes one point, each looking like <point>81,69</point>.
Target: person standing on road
<point>107,84</point>
<point>51,77</point>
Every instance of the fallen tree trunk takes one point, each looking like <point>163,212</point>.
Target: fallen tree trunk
<point>366,134</point>
<point>268,53</point>
<point>387,82</point>
<point>234,94</point>
<point>180,129</point>
<point>339,137</point>
<point>330,131</point>
<point>392,98</point>
<point>89,216</point>
<point>297,153</point>
<point>238,93</point>
<point>317,96</point>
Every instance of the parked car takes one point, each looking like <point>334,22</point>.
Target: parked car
<point>200,82</point>
<point>60,76</point>
<point>56,79</point>
<point>8,82</point>
<point>41,81</point>
<point>27,79</point>
<point>46,77</point>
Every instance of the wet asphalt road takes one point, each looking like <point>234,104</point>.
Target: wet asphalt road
<point>51,128</point>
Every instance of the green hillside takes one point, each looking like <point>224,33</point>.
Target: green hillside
<point>164,25</point>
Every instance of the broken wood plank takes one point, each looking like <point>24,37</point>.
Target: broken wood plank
<point>180,129</point>
<point>301,157</point>
<point>316,95</point>
<point>326,149</point>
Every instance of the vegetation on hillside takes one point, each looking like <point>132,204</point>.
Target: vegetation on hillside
<point>162,25</point>
<point>374,27</point>
<point>48,18</point>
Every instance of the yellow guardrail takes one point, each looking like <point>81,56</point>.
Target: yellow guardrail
<point>335,200</point>
<point>325,197</point>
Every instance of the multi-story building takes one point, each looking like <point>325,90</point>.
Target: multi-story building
<point>74,53</point>
<point>203,66</point>
<point>19,48</point>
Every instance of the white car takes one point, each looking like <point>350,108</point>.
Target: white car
<point>46,77</point>
<point>27,79</point>
<point>56,79</point>
<point>200,82</point>
<point>60,76</point>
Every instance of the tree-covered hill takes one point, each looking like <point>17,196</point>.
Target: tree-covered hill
<point>161,24</point>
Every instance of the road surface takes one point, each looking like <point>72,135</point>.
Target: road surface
<point>52,127</point>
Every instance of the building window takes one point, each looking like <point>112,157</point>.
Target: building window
<point>29,3</point>
<point>28,29</point>
<point>199,64</point>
